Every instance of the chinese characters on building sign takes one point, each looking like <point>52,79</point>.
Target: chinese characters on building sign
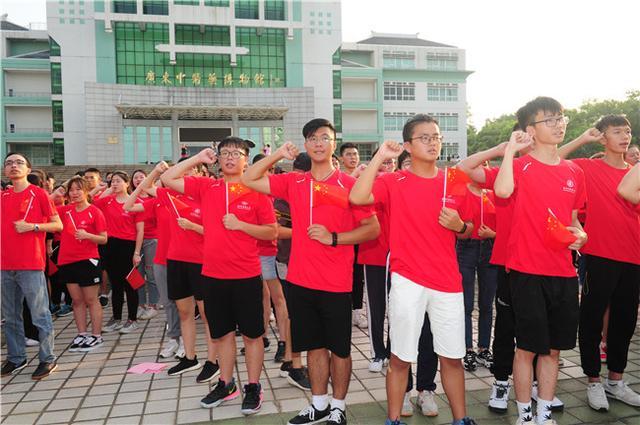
<point>212,79</point>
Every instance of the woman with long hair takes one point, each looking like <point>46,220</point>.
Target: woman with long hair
<point>79,262</point>
<point>126,232</point>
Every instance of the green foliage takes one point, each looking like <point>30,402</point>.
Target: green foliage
<point>498,130</point>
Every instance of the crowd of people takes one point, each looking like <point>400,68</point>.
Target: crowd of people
<point>231,246</point>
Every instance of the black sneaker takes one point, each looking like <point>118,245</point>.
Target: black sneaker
<point>184,365</point>
<point>91,342</point>
<point>299,378</point>
<point>485,358</point>
<point>285,367</point>
<point>252,399</point>
<point>9,368</point>
<point>43,370</point>
<point>77,343</point>
<point>310,415</point>
<point>104,300</point>
<point>221,392</point>
<point>337,416</point>
<point>469,361</point>
<point>279,357</point>
<point>209,371</point>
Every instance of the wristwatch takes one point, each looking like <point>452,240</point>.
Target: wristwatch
<point>36,228</point>
<point>334,239</point>
<point>464,228</point>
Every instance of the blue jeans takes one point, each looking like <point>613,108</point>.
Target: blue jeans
<point>145,268</point>
<point>29,285</point>
<point>473,257</point>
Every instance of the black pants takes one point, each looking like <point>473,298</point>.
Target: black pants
<point>427,361</point>
<point>57,287</point>
<point>504,332</point>
<point>374,277</point>
<point>616,284</point>
<point>357,293</point>
<point>119,255</point>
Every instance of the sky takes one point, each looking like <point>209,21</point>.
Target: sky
<point>571,50</point>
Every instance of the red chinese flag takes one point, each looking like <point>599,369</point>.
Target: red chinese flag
<point>51,267</point>
<point>326,194</point>
<point>487,204</point>
<point>237,191</point>
<point>135,279</point>
<point>556,235</point>
<point>180,206</point>
<point>457,182</point>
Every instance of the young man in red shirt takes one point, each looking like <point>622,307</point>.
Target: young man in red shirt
<point>321,264</point>
<point>544,285</point>
<point>233,218</point>
<point>629,187</point>
<point>27,215</point>
<point>424,267</point>
<point>613,263</point>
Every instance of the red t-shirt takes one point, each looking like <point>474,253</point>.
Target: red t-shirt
<point>314,265</point>
<point>611,222</point>
<point>56,236</point>
<point>24,251</point>
<point>421,249</point>
<point>186,245</point>
<point>481,213</point>
<point>153,207</point>
<point>374,253</point>
<point>268,248</point>
<point>150,222</point>
<point>229,254</point>
<point>121,224</point>
<point>539,188</point>
<point>504,215</point>
<point>90,219</point>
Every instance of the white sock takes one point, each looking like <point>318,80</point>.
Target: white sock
<point>320,402</point>
<point>613,382</point>
<point>544,410</point>
<point>340,404</point>
<point>525,413</point>
<point>504,383</point>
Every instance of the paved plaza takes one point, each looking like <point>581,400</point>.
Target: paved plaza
<point>94,388</point>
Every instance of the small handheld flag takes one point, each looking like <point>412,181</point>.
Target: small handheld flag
<point>134,278</point>
<point>556,235</point>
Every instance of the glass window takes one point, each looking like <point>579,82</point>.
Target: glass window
<point>124,6</point>
<point>155,7</point>
<point>274,10</point>
<point>57,116</point>
<point>395,121</point>
<point>217,3</point>
<point>154,141</point>
<point>58,151</point>
<point>440,92</point>
<point>247,9</point>
<point>448,151</point>
<point>337,57</point>
<point>398,90</point>
<point>54,47</point>
<point>127,145</point>
<point>56,78</point>
<point>210,36</point>
<point>337,118</point>
<point>141,145</point>
<point>398,59</point>
<point>446,122</point>
<point>337,84</point>
<point>167,151</point>
<point>187,2</point>
<point>442,61</point>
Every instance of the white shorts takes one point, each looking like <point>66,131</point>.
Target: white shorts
<point>408,302</point>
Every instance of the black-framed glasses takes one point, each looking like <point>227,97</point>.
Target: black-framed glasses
<point>553,121</point>
<point>428,138</point>
<point>232,154</point>
<point>10,162</point>
<point>324,139</point>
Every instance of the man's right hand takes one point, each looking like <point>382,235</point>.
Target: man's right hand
<point>288,151</point>
<point>161,167</point>
<point>519,140</point>
<point>207,156</point>
<point>389,150</point>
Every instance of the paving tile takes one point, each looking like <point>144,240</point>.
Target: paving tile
<point>21,419</point>
<point>64,403</point>
<point>125,420</point>
<point>160,406</point>
<point>30,407</point>
<point>159,418</point>
<point>190,416</point>
<point>132,409</point>
<point>125,398</point>
<point>99,400</point>
<point>60,416</point>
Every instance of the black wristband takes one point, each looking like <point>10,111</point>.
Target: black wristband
<point>464,228</point>
<point>334,239</point>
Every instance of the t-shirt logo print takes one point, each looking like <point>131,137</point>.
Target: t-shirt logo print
<point>570,186</point>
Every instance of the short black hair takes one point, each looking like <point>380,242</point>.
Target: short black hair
<point>21,154</point>
<point>302,162</point>
<point>404,155</point>
<point>407,130</point>
<point>34,179</point>
<point>316,123</point>
<point>527,114</point>
<point>348,145</point>
<point>235,142</point>
<point>258,157</point>
<point>92,170</point>
<point>612,120</point>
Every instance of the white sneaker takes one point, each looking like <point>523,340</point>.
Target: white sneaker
<point>407,408</point>
<point>169,348</point>
<point>427,403</point>
<point>597,398</point>
<point>129,327</point>
<point>531,422</point>
<point>31,342</point>
<point>623,393</point>
<point>148,313</point>
<point>376,365</point>
<point>358,319</point>
<point>140,311</point>
<point>112,325</point>
<point>180,353</point>
<point>556,404</point>
<point>499,398</point>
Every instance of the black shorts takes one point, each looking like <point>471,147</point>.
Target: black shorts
<point>184,280</point>
<point>84,273</point>
<point>231,303</point>
<point>320,319</point>
<point>546,311</point>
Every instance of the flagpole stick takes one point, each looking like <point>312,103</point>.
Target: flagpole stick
<point>72,221</point>
<point>444,195</point>
<point>174,206</point>
<point>226,196</point>
<point>482,207</point>
<point>28,208</point>
<point>310,201</point>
